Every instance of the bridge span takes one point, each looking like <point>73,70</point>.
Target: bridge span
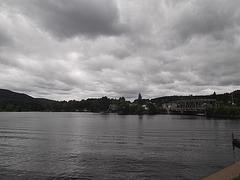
<point>192,106</point>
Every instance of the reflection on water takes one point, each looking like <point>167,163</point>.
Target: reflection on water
<point>95,146</point>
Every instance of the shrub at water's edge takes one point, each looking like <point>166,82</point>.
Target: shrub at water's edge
<point>236,178</point>
<point>223,111</point>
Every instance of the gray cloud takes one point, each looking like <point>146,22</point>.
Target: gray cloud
<point>211,18</point>
<point>5,40</point>
<point>67,19</point>
<point>79,49</point>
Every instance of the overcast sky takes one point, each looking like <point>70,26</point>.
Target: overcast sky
<point>75,49</point>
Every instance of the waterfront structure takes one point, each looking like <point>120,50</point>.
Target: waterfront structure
<point>113,107</point>
<point>189,106</point>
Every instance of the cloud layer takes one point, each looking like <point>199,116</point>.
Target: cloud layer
<point>80,49</point>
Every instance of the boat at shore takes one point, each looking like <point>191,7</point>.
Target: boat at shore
<point>235,142</point>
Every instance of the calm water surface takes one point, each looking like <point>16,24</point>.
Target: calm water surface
<point>93,146</point>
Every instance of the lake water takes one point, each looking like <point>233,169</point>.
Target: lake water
<point>39,145</point>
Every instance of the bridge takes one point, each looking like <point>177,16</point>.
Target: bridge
<point>192,106</point>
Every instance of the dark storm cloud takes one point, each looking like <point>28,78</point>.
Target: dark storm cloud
<point>74,17</point>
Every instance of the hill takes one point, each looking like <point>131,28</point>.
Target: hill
<point>223,99</point>
<point>14,101</point>
<point>8,95</point>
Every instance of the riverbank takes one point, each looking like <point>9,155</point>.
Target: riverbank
<point>227,173</point>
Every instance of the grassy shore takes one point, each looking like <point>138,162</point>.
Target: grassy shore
<point>236,178</point>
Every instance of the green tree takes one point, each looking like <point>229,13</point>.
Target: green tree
<point>152,109</point>
<point>104,103</point>
<point>139,100</point>
<point>140,109</point>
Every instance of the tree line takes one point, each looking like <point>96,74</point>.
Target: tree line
<point>228,104</point>
<point>104,104</point>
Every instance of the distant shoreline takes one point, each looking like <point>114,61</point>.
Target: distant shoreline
<point>232,117</point>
